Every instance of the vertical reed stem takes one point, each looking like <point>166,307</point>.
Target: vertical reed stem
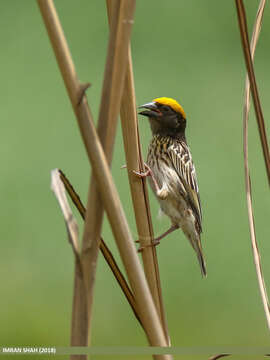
<point>107,189</point>
<point>139,192</point>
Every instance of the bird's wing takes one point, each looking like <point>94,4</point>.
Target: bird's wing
<point>182,161</point>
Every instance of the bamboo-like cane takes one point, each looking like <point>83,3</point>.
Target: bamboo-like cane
<point>107,121</point>
<point>139,192</point>
<point>107,189</point>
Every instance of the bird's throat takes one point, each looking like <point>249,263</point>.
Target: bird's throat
<point>159,129</point>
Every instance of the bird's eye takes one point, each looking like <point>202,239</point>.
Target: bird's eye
<point>166,108</point>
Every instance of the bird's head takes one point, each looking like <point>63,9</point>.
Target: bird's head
<point>166,116</point>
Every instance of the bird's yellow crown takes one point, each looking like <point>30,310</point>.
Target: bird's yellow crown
<point>172,103</point>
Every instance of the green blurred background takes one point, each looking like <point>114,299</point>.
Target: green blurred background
<point>188,50</point>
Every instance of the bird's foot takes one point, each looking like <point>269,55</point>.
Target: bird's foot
<point>155,242</point>
<point>141,174</point>
<point>161,193</point>
<point>144,174</point>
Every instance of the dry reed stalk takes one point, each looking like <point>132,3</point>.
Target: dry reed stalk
<point>107,189</point>
<point>59,182</point>
<point>254,91</point>
<point>107,123</point>
<point>72,227</point>
<point>139,192</point>
<point>103,247</point>
<point>73,234</point>
<point>254,244</point>
<point>74,89</point>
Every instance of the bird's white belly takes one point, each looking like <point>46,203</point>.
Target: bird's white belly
<point>167,178</point>
<point>175,205</point>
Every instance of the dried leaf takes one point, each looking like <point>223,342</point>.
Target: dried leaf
<point>71,224</point>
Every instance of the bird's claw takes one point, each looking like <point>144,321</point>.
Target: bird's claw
<point>153,243</point>
<point>141,174</point>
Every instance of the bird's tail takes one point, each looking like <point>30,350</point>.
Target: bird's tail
<point>197,246</point>
<point>201,261</point>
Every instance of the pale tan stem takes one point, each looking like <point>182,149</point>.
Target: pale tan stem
<point>103,248</point>
<point>118,222</point>
<point>107,122</point>
<point>253,85</point>
<point>254,244</point>
<point>79,320</point>
<point>101,170</point>
<point>139,192</point>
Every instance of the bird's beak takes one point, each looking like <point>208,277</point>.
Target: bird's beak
<point>151,110</point>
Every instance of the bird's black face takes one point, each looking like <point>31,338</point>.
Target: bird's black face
<point>164,120</point>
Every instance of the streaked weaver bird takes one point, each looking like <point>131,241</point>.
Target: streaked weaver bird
<point>172,172</point>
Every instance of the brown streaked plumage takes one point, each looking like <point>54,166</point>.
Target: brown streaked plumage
<point>172,172</point>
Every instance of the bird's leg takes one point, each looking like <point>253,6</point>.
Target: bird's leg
<point>171,229</point>
<point>156,241</point>
<point>148,172</point>
<point>162,192</point>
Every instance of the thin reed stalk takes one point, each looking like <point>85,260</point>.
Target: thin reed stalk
<point>253,85</point>
<point>254,244</point>
<point>103,247</point>
<point>107,123</point>
<point>139,192</point>
<point>107,189</point>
